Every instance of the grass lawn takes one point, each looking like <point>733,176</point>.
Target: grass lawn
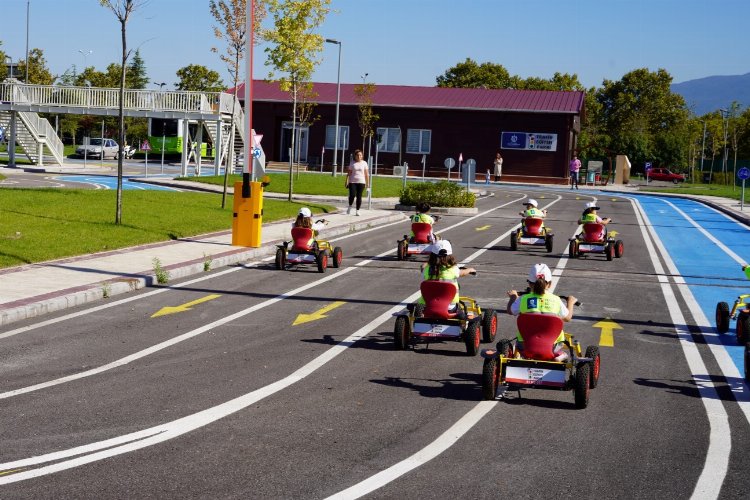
<point>43,224</point>
<point>700,189</point>
<point>309,183</point>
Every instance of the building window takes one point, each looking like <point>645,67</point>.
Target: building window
<point>418,141</point>
<point>390,140</point>
<point>343,137</point>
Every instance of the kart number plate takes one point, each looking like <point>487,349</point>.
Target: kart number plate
<point>531,241</point>
<point>590,248</point>
<point>534,376</point>
<point>418,247</point>
<point>433,330</point>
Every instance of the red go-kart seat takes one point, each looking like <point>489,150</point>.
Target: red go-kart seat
<point>438,296</point>
<point>422,232</point>
<point>593,232</point>
<point>539,332</point>
<point>532,226</point>
<point>302,237</point>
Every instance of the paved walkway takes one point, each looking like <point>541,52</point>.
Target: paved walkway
<point>33,290</point>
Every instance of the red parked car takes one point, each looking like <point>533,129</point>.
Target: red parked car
<point>664,174</point>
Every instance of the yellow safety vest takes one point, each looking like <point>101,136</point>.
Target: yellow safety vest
<point>548,303</point>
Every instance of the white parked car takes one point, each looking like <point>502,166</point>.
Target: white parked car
<point>96,146</point>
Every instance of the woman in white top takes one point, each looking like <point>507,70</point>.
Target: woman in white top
<point>357,180</point>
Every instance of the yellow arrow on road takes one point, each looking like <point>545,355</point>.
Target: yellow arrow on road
<point>612,233</point>
<point>184,307</point>
<point>483,228</point>
<point>319,314</point>
<point>607,339</point>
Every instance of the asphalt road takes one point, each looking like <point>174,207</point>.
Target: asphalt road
<point>231,399</point>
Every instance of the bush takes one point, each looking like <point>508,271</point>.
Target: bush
<point>439,194</point>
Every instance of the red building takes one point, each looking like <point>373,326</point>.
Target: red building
<point>536,131</point>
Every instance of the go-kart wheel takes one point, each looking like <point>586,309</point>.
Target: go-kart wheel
<point>722,317</point>
<point>582,385</point>
<point>489,325</point>
<point>401,333</point>
<point>280,259</point>
<point>743,328</point>
<point>490,377</point>
<point>322,260</point>
<point>418,310</point>
<point>514,240</point>
<point>619,248</point>
<point>609,249</point>
<point>338,256</point>
<point>747,363</point>
<point>573,249</point>
<point>472,338</point>
<point>592,351</point>
<point>403,250</point>
<point>549,242</point>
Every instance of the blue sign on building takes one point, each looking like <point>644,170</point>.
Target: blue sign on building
<point>513,140</point>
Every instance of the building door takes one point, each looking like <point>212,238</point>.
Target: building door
<point>303,131</point>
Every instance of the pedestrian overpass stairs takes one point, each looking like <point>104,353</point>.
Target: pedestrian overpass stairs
<point>34,135</point>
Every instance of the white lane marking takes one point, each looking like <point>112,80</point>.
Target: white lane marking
<point>158,434</point>
<point>720,444</point>
<point>434,449</point>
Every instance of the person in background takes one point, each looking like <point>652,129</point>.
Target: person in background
<point>575,167</point>
<point>357,180</point>
<point>487,177</point>
<point>498,166</point>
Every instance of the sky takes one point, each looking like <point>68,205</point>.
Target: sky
<point>410,42</point>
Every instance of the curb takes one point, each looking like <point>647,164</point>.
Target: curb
<point>77,296</point>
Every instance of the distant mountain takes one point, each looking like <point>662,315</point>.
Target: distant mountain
<point>714,92</point>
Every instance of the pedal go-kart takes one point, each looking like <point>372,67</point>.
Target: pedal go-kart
<point>431,322</point>
<point>299,252</point>
<point>739,312</point>
<point>532,232</point>
<point>537,367</point>
<point>419,244</point>
<point>595,239</point>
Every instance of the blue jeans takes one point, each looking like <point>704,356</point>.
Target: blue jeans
<point>573,179</point>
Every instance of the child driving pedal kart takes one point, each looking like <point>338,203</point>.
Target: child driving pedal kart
<point>442,266</point>
<point>539,300</point>
<point>423,217</point>
<point>304,219</point>
<point>532,210</point>
<point>590,215</point>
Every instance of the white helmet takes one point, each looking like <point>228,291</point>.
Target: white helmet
<point>305,212</point>
<point>592,204</point>
<point>442,247</point>
<point>532,202</point>
<point>539,271</point>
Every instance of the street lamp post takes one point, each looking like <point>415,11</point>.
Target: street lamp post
<point>28,3</point>
<point>724,122</point>
<point>338,101</point>
<point>85,55</point>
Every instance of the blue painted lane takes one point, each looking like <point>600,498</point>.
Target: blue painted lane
<point>109,182</point>
<point>713,273</point>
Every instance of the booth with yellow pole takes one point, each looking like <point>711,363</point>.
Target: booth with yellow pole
<point>247,212</point>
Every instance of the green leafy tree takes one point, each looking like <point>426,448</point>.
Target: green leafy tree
<point>231,17</point>
<point>199,78</point>
<point>3,62</point>
<point>122,9</point>
<point>294,48</point>
<point>39,74</point>
<point>366,117</point>
<point>560,81</point>
<point>469,74</point>
<point>136,76</point>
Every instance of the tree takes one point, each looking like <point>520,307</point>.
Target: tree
<point>294,48</point>
<point>559,81</point>
<point>3,67</point>
<point>231,15</point>
<point>136,76</point>
<point>199,79</point>
<point>39,74</point>
<point>366,117</point>
<point>122,9</point>
<point>469,74</point>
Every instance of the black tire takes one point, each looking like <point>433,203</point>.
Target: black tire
<point>401,333</point>
<point>609,249</point>
<point>582,385</point>
<point>747,363</point>
<point>675,181</point>
<point>490,377</point>
<point>514,240</point>
<point>472,338</point>
<point>280,259</point>
<point>418,310</point>
<point>592,351</point>
<point>338,256</point>
<point>743,328</point>
<point>399,250</point>
<point>619,248</point>
<point>321,258</point>
<point>722,317</point>
<point>549,242</point>
<point>573,249</point>
<point>489,325</point>
<point>505,348</point>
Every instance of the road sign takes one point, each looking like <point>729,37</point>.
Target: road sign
<point>449,163</point>
<point>256,152</point>
<point>743,173</point>
<point>648,165</point>
<point>145,146</point>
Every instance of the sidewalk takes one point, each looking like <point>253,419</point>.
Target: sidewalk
<point>37,289</point>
